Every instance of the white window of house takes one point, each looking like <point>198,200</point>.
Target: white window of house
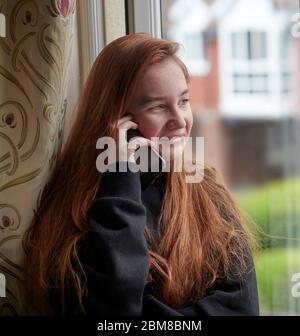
<point>287,62</point>
<point>249,56</point>
<point>195,49</point>
<point>195,53</point>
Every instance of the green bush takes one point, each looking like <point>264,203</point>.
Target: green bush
<point>274,269</point>
<point>275,207</point>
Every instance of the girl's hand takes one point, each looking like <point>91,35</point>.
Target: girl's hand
<point>125,149</point>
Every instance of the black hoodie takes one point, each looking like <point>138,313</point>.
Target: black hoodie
<point>116,261</point>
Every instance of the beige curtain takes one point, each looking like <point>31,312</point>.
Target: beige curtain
<point>34,63</point>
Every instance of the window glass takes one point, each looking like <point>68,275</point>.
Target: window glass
<point>246,106</point>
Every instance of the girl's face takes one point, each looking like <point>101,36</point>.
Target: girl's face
<point>160,105</point>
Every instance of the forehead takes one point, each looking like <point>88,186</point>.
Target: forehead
<point>161,79</point>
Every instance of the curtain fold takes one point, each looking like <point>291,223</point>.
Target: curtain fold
<point>34,65</point>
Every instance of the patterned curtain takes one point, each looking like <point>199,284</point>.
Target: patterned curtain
<point>34,62</point>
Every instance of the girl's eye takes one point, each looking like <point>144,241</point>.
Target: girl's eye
<point>157,107</point>
<point>185,101</point>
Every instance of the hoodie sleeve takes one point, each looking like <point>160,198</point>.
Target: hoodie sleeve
<point>115,259</point>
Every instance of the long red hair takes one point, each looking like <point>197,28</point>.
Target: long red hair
<point>199,241</point>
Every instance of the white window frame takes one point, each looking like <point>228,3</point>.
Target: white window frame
<point>250,67</point>
<point>200,46</point>
<point>2,26</point>
<point>100,22</point>
<point>261,106</point>
<point>147,17</point>
<point>91,30</point>
<point>197,66</point>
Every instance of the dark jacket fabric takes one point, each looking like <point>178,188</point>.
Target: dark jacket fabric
<point>116,261</point>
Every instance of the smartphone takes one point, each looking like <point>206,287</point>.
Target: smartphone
<point>155,161</point>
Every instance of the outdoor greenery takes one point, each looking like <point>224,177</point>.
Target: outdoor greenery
<point>275,208</point>
<point>274,269</point>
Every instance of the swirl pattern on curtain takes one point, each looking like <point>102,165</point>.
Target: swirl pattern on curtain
<point>34,63</point>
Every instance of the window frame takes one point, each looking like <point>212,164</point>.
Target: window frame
<point>91,32</point>
<point>99,22</point>
<point>144,17</point>
<point>248,66</point>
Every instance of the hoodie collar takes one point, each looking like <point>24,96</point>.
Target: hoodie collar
<point>148,178</point>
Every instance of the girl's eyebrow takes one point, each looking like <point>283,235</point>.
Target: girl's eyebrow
<point>149,99</point>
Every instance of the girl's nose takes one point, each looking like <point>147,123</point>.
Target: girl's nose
<point>176,119</point>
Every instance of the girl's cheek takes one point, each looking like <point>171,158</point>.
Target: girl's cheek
<point>149,130</point>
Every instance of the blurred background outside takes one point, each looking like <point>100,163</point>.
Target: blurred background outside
<point>245,67</point>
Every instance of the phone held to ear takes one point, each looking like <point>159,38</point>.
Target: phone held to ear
<point>155,161</point>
